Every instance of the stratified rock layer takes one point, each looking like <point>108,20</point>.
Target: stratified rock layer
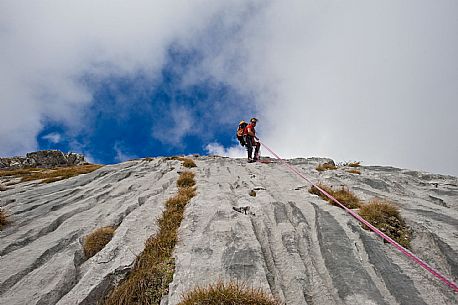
<point>290,242</point>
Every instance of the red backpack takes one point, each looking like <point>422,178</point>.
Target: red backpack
<point>240,132</point>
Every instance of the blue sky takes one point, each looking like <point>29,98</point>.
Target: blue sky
<point>356,80</point>
<point>135,117</point>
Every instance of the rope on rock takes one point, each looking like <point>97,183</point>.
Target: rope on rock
<point>403,250</point>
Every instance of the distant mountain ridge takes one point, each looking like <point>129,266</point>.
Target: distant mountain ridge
<point>43,158</point>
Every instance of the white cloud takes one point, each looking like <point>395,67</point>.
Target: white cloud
<point>89,158</point>
<point>232,152</point>
<point>121,154</point>
<point>49,47</point>
<point>353,80</point>
<point>53,137</point>
<point>372,81</point>
<point>181,124</point>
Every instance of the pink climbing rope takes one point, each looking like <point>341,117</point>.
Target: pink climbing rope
<point>403,250</point>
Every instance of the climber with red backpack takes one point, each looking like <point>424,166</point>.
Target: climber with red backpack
<point>251,140</point>
<point>246,134</point>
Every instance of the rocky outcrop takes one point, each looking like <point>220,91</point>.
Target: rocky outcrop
<point>43,158</point>
<point>291,243</point>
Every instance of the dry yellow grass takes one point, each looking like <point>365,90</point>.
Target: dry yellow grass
<point>231,293</point>
<point>62,173</point>
<point>314,190</point>
<point>96,240</point>
<point>353,164</point>
<point>325,167</point>
<point>355,171</point>
<point>49,175</point>
<point>23,172</point>
<point>186,179</point>
<point>387,218</point>
<point>187,162</point>
<point>3,219</point>
<point>347,198</point>
<point>154,268</point>
<point>343,195</point>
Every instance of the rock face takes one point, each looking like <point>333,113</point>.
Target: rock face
<point>290,242</point>
<point>43,158</point>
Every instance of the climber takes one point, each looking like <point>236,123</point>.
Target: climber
<point>251,140</point>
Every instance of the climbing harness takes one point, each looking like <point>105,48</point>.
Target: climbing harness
<point>403,250</point>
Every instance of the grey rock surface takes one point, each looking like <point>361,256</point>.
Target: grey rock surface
<point>43,158</point>
<point>291,243</point>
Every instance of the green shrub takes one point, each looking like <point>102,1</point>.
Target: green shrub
<point>97,240</point>
<point>231,293</point>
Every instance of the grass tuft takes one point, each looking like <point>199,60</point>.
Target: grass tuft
<point>97,240</point>
<point>186,179</point>
<point>231,293</point>
<point>343,195</point>
<point>187,162</point>
<point>386,217</point>
<point>153,270</point>
<point>315,191</point>
<point>49,175</point>
<point>355,171</point>
<point>353,164</point>
<point>3,219</point>
<point>326,166</point>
